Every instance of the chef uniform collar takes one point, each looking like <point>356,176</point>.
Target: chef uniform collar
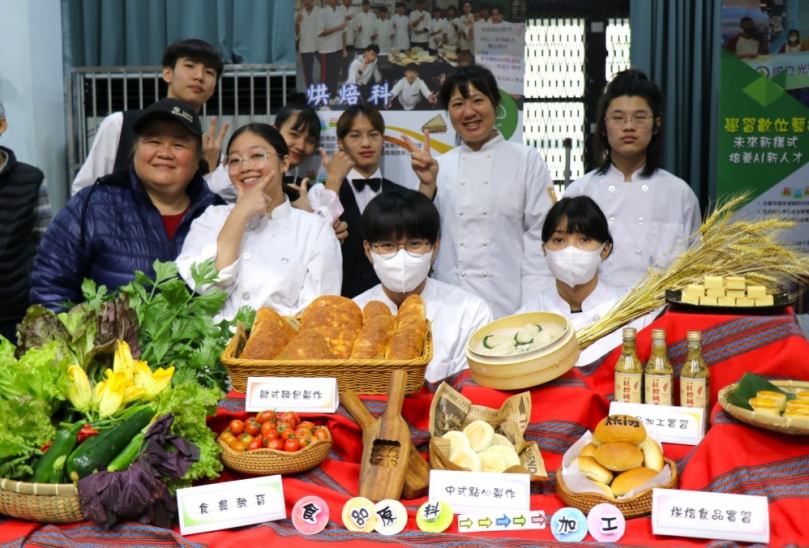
<point>488,146</point>
<point>595,299</point>
<point>615,173</point>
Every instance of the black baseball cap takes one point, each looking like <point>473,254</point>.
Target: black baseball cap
<point>172,110</point>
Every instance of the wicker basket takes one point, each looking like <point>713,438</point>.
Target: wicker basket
<point>783,425</point>
<point>362,376</point>
<point>265,462</point>
<point>633,507</point>
<point>42,502</point>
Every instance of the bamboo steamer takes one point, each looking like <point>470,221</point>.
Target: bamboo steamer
<point>528,369</point>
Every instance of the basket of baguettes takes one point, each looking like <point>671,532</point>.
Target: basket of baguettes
<point>334,338</point>
<point>618,464</point>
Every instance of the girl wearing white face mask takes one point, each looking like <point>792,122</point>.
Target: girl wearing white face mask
<point>401,228</point>
<point>576,239</point>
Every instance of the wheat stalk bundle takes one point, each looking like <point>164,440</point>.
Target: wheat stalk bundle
<point>749,248</point>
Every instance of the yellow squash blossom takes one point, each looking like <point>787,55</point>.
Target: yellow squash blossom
<point>153,383</point>
<point>123,360</point>
<point>112,397</point>
<point>79,392</point>
<point>133,393</point>
<point>98,391</point>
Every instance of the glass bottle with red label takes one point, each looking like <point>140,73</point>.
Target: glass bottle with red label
<point>629,371</point>
<point>695,379</point>
<point>658,377</point>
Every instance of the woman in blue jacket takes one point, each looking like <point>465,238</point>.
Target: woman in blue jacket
<point>130,218</point>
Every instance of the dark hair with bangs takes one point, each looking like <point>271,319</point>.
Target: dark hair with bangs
<point>304,116</point>
<point>196,51</point>
<point>581,214</point>
<point>400,213</point>
<point>632,83</point>
<point>480,77</point>
<point>275,140</point>
<point>346,120</point>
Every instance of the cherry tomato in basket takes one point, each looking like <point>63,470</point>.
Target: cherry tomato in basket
<point>227,437</point>
<point>257,443</point>
<point>291,445</point>
<point>287,433</point>
<point>236,427</point>
<point>303,433</point>
<point>307,425</point>
<point>237,446</point>
<point>267,428</point>
<point>276,444</point>
<point>245,439</point>
<point>252,427</point>
<point>304,441</point>
<point>291,417</point>
<point>265,416</point>
<point>321,433</point>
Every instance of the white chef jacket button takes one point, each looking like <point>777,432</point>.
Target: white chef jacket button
<point>460,213</point>
<point>640,220</point>
<point>486,182</point>
<point>484,212</point>
<point>463,182</point>
<point>645,188</point>
<point>612,220</point>
<point>463,274</point>
<point>247,256</point>
<point>461,242</point>
<point>488,156</point>
<point>463,156</point>
<point>276,299</point>
<point>284,260</point>
<point>485,273</point>
<point>596,318</point>
<point>485,242</point>
<point>245,296</point>
<point>638,252</point>
<point>612,188</point>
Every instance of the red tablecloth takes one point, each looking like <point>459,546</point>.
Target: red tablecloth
<point>733,458</point>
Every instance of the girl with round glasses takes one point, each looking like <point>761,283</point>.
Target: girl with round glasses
<point>649,210</point>
<point>268,253</point>
<point>400,227</point>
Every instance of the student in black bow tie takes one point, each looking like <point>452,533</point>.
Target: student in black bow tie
<point>360,136</point>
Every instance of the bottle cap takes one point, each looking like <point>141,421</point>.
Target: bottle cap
<point>695,336</point>
<point>658,333</point>
<point>630,332</point>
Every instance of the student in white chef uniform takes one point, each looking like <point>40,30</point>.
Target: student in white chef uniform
<point>401,26</point>
<point>649,210</point>
<point>438,31</point>
<point>466,28</point>
<point>576,240</point>
<point>401,229</point>
<point>306,33</point>
<point>492,197</point>
<point>384,33</point>
<point>451,26</point>
<point>420,26</point>
<point>410,90</point>
<point>364,27</point>
<point>267,252</point>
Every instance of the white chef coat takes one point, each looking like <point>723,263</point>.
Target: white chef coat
<point>594,307</point>
<point>647,217</point>
<point>364,27</point>
<point>420,39</point>
<point>328,19</point>
<point>364,198</point>
<point>402,38</point>
<point>383,30</point>
<point>292,258</point>
<point>435,26</point>
<point>449,29</point>
<point>325,203</point>
<point>409,93</point>
<point>747,46</point>
<point>351,27</point>
<point>492,204</point>
<point>465,43</point>
<point>454,314</point>
<point>364,77</point>
<point>308,36</point>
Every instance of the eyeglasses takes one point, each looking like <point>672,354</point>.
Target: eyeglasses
<point>640,121</point>
<point>256,160</point>
<point>414,248</point>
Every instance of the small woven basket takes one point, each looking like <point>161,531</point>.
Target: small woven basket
<point>42,502</point>
<point>265,462</point>
<point>783,425</point>
<point>633,507</point>
<point>362,376</point>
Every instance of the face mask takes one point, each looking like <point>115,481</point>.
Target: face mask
<point>574,266</point>
<point>793,39</point>
<point>402,273</point>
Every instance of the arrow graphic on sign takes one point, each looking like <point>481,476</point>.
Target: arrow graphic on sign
<point>504,521</point>
<point>486,522</point>
<point>539,520</point>
<point>465,523</point>
<point>519,520</point>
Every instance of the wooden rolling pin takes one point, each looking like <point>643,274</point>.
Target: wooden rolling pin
<point>417,482</point>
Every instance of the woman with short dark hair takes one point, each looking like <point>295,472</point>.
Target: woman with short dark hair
<point>649,210</point>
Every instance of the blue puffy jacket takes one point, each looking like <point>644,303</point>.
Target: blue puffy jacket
<point>105,233</point>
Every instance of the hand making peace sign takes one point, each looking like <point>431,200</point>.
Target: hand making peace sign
<point>423,164</point>
<point>212,145</point>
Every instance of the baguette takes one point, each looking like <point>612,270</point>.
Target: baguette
<point>407,342</point>
<point>336,301</point>
<point>374,338</point>
<point>269,336</point>
<point>307,345</point>
<point>375,309</point>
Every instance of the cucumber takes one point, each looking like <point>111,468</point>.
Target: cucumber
<point>62,445</point>
<point>527,333</point>
<point>125,457</point>
<point>92,457</point>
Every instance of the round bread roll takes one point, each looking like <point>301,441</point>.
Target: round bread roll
<point>588,450</point>
<point>457,440</point>
<point>509,455</point>
<point>594,471</point>
<point>652,455</point>
<point>500,439</point>
<point>491,462</point>
<point>605,488</point>
<point>631,479</point>
<point>466,458</point>
<point>480,434</point>
<point>619,428</point>
<point>618,456</point>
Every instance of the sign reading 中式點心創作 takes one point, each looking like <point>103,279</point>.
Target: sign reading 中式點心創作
<point>478,492</point>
